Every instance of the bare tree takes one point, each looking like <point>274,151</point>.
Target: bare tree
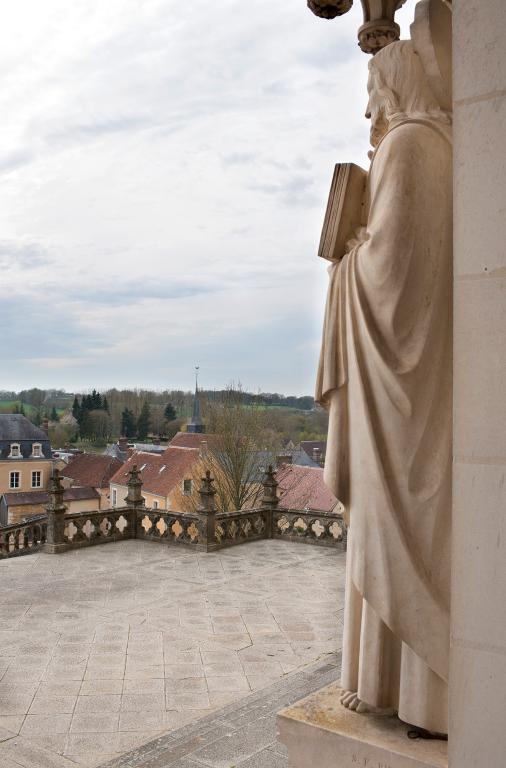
<point>241,447</point>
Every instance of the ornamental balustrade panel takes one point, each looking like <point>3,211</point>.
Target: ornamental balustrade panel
<point>169,527</point>
<point>229,529</point>
<point>324,529</point>
<point>238,527</point>
<point>23,538</point>
<point>88,528</point>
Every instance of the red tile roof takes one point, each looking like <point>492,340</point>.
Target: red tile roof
<point>91,469</point>
<point>159,474</point>
<point>303,488</point>
<point>189,440</point>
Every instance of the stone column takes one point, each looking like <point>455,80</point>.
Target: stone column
<point>478,650</point>
<point>55,542</point>
<point>134,498</point>
<point>207,515</point>
<point>270,498</point>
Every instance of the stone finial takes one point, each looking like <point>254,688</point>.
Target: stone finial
<point>270,495</point>
<point>207,493</point>
<point>55,542</point>
<point>56,491</point>
<point>379,27</point>
<point>329,9</point>
<point>134,496</point>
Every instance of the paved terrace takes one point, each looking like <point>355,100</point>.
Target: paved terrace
<point>105,648</point>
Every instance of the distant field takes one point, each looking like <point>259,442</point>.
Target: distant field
<point>284,408</point>
<point>7,406</point>
<point>287,408</point>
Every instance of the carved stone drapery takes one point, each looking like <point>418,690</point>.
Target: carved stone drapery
<point>379,27</point>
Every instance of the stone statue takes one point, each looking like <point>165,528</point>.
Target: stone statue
<point>385,375</point>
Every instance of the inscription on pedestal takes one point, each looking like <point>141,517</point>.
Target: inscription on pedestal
<point>367,762</point>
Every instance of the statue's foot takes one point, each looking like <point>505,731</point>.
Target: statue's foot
<point>350,700</point>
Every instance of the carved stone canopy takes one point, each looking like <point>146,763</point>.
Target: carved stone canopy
<point>379,27</point>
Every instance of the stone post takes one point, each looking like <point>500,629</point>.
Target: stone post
<point>134,498</point>
<point>55,542</point>
<point>207,514</point>
<point>270,499</point>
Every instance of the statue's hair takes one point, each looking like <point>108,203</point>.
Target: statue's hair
<point>400,81</point>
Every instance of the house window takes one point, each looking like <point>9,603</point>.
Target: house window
<point>37,479</point>
<point>155,504</point>
<point>36,450</point>
<point>114,497</point>
<point>187,487</point>
<point>14,480</point>
<point>15,451</point>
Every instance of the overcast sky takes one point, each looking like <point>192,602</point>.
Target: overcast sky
<point>164,170</point>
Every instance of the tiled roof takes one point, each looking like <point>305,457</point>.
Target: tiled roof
<point>21,498</point>
<point>115,451</point>
<point>159,474</point>
<point>301,458</point>
<point>15,426</point>
<point>189,440</point>
<point>91,469</point>
<point>310,445</point>
<point>303,488</point>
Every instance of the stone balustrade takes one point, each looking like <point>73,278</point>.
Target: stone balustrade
<point>206,529</point>
<point>86,528</point>
<point>24,537</point>
<point>169,527</point>
<point>324,529</point>
<point>237,527</point>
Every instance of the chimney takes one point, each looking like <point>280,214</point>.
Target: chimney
<point>203,448</point>
<point>123,444</point>
<point>156,440</point>
<point>45,425</point>
<point>284,458</point>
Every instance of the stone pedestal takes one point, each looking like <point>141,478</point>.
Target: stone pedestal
<point>319,732</point>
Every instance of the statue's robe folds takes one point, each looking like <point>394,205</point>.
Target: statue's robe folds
<point>385,375</point>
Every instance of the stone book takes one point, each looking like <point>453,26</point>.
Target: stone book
<point>345,210</point>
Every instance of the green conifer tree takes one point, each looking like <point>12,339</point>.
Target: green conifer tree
<point>128,423</point>
<point>169,412</point>
<point>143,422</point>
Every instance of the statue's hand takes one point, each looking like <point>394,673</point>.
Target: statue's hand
<point>358,237</point>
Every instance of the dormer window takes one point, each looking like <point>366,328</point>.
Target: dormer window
<point>187,487</point>
<point>15,451</point>
<point>37,450</point>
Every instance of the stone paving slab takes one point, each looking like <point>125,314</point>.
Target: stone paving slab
<point>241,734</point>
<point>104,648</point>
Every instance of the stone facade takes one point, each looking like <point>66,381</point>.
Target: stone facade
<point>478,654</point>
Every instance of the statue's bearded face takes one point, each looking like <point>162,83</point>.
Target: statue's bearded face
<point>376,109</point>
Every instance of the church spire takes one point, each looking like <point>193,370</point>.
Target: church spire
<point>196,424</point>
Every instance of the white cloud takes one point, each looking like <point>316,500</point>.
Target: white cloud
<point>164,169</point>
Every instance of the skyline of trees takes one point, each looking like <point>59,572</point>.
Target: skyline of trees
<point>112,413</point>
